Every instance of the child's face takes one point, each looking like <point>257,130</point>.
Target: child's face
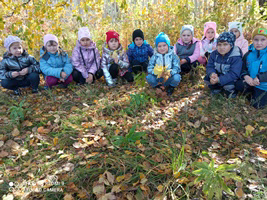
<point>236,32</point>
<point>138,41</point>
<point>16,49</point>
<point>210,34</point>
<point>187,36</point>
<point>223,48</point>
<point>162,48</point>
<point>113,44</point>
<point>260,42</point>
<point>85,42</point>
<point>52,47</point>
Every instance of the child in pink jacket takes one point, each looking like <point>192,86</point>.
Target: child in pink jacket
<point>85,58</point>
<point>208,42</point>
<point>187,49</point>
<point>241,42</point>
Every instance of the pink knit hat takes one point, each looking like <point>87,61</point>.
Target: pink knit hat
<point>209,25</point>
<point>10,40</point>
<point>50,37</point>
<point>84,33</point>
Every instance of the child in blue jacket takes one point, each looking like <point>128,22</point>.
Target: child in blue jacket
<point>224,66</point>
<point>55,63</point>
<point>138,52</point>
<point>254,69</point>
<point>164,56</point>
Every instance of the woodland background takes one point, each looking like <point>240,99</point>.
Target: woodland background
<point>129,142</point>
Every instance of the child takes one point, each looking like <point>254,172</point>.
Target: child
<point>55,63</point>
<point>187,49</point>
<point>138,52</point>
<point>208,42</point>
<point>224,66</point>
<point>241,42</point>
<point>114,61</point>
<point>18,68</point>
<point>85,58</point>
<point>254,69</point>
<point>164,56</point>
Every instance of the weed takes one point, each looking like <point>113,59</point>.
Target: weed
<point>17,113</point>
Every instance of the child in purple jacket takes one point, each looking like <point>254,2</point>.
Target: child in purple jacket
<point>85,59</point>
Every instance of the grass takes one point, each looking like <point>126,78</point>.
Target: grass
<point>100,117</point>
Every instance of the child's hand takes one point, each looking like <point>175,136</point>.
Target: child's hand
<point>165,75</point>
<point>256,81</point>
<point>15,74</point>
<point>90,78</point>
<point>215,80</point>
<point>63,75</point>
<point>24,71</point>
<point>249,80</point>
<point>214,75</point>
<point>183,61</point>
<point>116,60</point>
<point>62,80</point>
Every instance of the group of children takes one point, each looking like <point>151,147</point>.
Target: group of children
<point>222,55</point>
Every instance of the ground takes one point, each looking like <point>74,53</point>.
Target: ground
<point>129,142</point>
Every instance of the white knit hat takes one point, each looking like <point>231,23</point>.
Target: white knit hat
<point>10,40</point>
<point>187,27</point>
<point>237,25</point>
<point>84,33</point>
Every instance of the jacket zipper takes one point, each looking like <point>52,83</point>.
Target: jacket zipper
<point>163,60</point>
<point>18,63</point>
<point>221,65</point>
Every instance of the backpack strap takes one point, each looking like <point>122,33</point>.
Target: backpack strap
<point>95,60</point>
<point>82,56</point>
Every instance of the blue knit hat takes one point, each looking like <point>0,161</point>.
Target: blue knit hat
<point>162,37</point>
<point>228,37</point>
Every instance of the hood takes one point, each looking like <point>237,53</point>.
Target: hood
<point>132,45</point>
<point>108,51</point>
<point>241,37</point>
<point>92,45</point>
<point>179,41</point>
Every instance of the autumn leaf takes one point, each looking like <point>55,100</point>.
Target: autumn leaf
<point>15,132</point>
<point>42,130</point>
<point>249,130</point>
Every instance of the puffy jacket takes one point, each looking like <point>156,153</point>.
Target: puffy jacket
<point>255,65</point>
<point>54,64</point>
<point>139,53</point>
<point>190,57</point>
<point>107,60</point>
<point>91,58</point>
<point>228,67</point>
<point>169,59</point>
<point>242,43</point>
<point>12,63</point>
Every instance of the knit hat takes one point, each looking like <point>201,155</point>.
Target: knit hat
<point>10,40</point>
<point>260,30</point>
<point>237,25</point>
<point>209,25</point>
<point>228,37</point>
<point>162,37</point>
<point>138,33</point>
<point>112,34</point>
<point>187,27</point>
<point>50,37</point>
<point>84,33</point>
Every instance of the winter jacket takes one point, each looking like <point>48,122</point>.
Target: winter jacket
<point>191,55</point>
<point>85,59</point>
<point>228,67</point>
<point>170,59</point>
<point>242,43</point>
<point>206,46</point>
<point>255,65</point>
<point>54,64</point>
<point>107,60</point>
<point>12,63</point>
<point>139,53</point>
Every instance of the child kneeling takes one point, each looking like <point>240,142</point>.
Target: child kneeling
<point>164,56</point>
<point>254,69</point>
<point>18,68</point>
<point>224,66</point>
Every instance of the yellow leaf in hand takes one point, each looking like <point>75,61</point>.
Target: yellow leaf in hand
<point>158,70</point>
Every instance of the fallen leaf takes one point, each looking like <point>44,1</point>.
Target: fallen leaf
<point>55,140</point>
<point>108,196</point>
<point>99,189</point>
<point>1,143</point>
<point>160,188</point>
<point>3,154</point>
<point>109,177</point>
<point>42,130</point>
<point>68,197</point>
<point>27,123</point>
<point>249,129</point>
<point>68,167</point>
<point>15,132</point>
<point>8,197</point>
